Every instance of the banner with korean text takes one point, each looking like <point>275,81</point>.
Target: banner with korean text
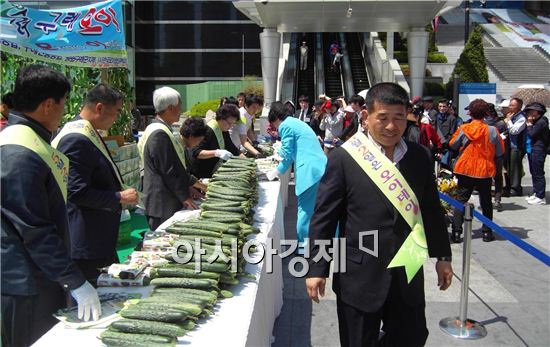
<point>86,36</point>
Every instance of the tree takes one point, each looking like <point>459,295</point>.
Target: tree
<point>471,65</point>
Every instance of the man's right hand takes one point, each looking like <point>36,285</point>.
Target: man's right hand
<point>189,204</point>
<point>87,299</point>
<point>223,154</point>
<point>315,286</point>
<point>129,197</point>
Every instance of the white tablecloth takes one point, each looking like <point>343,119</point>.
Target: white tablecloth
<point>244,320</point>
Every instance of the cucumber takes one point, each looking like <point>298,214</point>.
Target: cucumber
<point>219,218</point>
<point>206,240</point>
<point>229,280</point>
<point>191,231</point>
<point>188,273</point>
<point>150,303</point>
<point>184,282</point>
<point>224,196</point>
<point>210,295</point>
<point>188,299</point>
<point>160,314</point>
<point>214,267</point>
<point>148,327</point>
<point>189,325</point>
<point>226,294</point>
<point>116,338</point>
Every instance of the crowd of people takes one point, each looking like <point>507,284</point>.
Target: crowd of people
<point>62,198</point>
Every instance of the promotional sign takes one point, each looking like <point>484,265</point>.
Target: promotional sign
<point>468,92</point>
<point>88,36</point>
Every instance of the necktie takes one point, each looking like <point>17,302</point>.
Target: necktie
<point>302,115</point>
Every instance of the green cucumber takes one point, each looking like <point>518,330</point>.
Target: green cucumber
<point>148,327</point>
<point>161,314</point>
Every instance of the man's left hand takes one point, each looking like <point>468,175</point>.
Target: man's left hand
<point>444,274</point>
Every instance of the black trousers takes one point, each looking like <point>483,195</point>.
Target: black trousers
<point>154,222</point>
<point>91,267</point>
<point>466,185</point>
<point>26,318</point>
<point>499,178</point>
<point>516,171</point>
<point>536,167</point>
<point>404,326</point>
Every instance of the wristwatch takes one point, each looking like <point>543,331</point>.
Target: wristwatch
<point>445,259</point>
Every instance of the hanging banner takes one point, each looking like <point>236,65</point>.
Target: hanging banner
<point>87,36</point>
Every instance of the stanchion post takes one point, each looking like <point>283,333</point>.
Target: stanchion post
<point>461,327</point>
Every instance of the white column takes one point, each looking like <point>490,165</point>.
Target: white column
<point>270,43</point>
<point>389,44</point>
<point>417,42</point>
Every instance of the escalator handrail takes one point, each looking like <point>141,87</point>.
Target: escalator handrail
<point>319,65</point>
<point>346,74</point>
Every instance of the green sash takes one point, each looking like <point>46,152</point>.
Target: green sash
<point>159,126</point>
<point>213,124</point>
<point>414,251</point>
<point>85,128</point>
<point>23,135</point>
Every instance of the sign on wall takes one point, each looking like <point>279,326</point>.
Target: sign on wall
<point>89,36</point>
<point>468,92</point>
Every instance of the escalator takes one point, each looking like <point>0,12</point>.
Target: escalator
<point>358,69</point>
<point>333,79</point>
<point>306,78</point>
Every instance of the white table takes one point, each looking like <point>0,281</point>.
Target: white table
<point>244,320</point>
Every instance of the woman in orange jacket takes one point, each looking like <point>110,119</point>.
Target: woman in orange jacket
<point>478,145</point>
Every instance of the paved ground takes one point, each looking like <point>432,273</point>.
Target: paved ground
<point>509,289</point>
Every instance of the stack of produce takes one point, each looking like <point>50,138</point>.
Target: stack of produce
<point>182,295</point>
<point>266,148</point>
<point>127,160</point>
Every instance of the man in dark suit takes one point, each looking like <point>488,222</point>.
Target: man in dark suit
<point>304,113</point>
<point>167,182</point>
<point>369,292</point>
<point>95,184</point>
<point>36,266</point>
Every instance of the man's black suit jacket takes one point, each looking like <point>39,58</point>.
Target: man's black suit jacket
<point>93,204</point>
<point>165,180</point>
<point>348,196</point>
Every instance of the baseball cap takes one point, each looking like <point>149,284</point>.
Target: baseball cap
<point>349,109</point>
<point>428,99</point>
<point>504,103</point>
<point>537,106</point>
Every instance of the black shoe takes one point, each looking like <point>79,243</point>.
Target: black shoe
<point>505,193</point>
<point>455,237</point>
<point>497,206</point>
<point>488,236</point>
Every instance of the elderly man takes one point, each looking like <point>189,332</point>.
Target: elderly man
<point>515,120</point>
<point>96,188</point>
<point>167,183</point>
<point>378,184</point>
<point>36,267</point>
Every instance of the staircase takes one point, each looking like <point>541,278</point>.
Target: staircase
<point>306,78</point>
<point>518,64</point>
<point>450,41</point>
<point>333,80</point>
<point>358,69</point>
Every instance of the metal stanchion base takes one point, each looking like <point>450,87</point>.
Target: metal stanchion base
<point>471,330</point>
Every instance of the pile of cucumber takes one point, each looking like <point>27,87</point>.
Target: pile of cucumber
<point>182,295</point>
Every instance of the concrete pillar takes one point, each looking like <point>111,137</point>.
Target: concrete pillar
<point>270,43</point>
<point>417,42</point>
<point>389,44</point>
